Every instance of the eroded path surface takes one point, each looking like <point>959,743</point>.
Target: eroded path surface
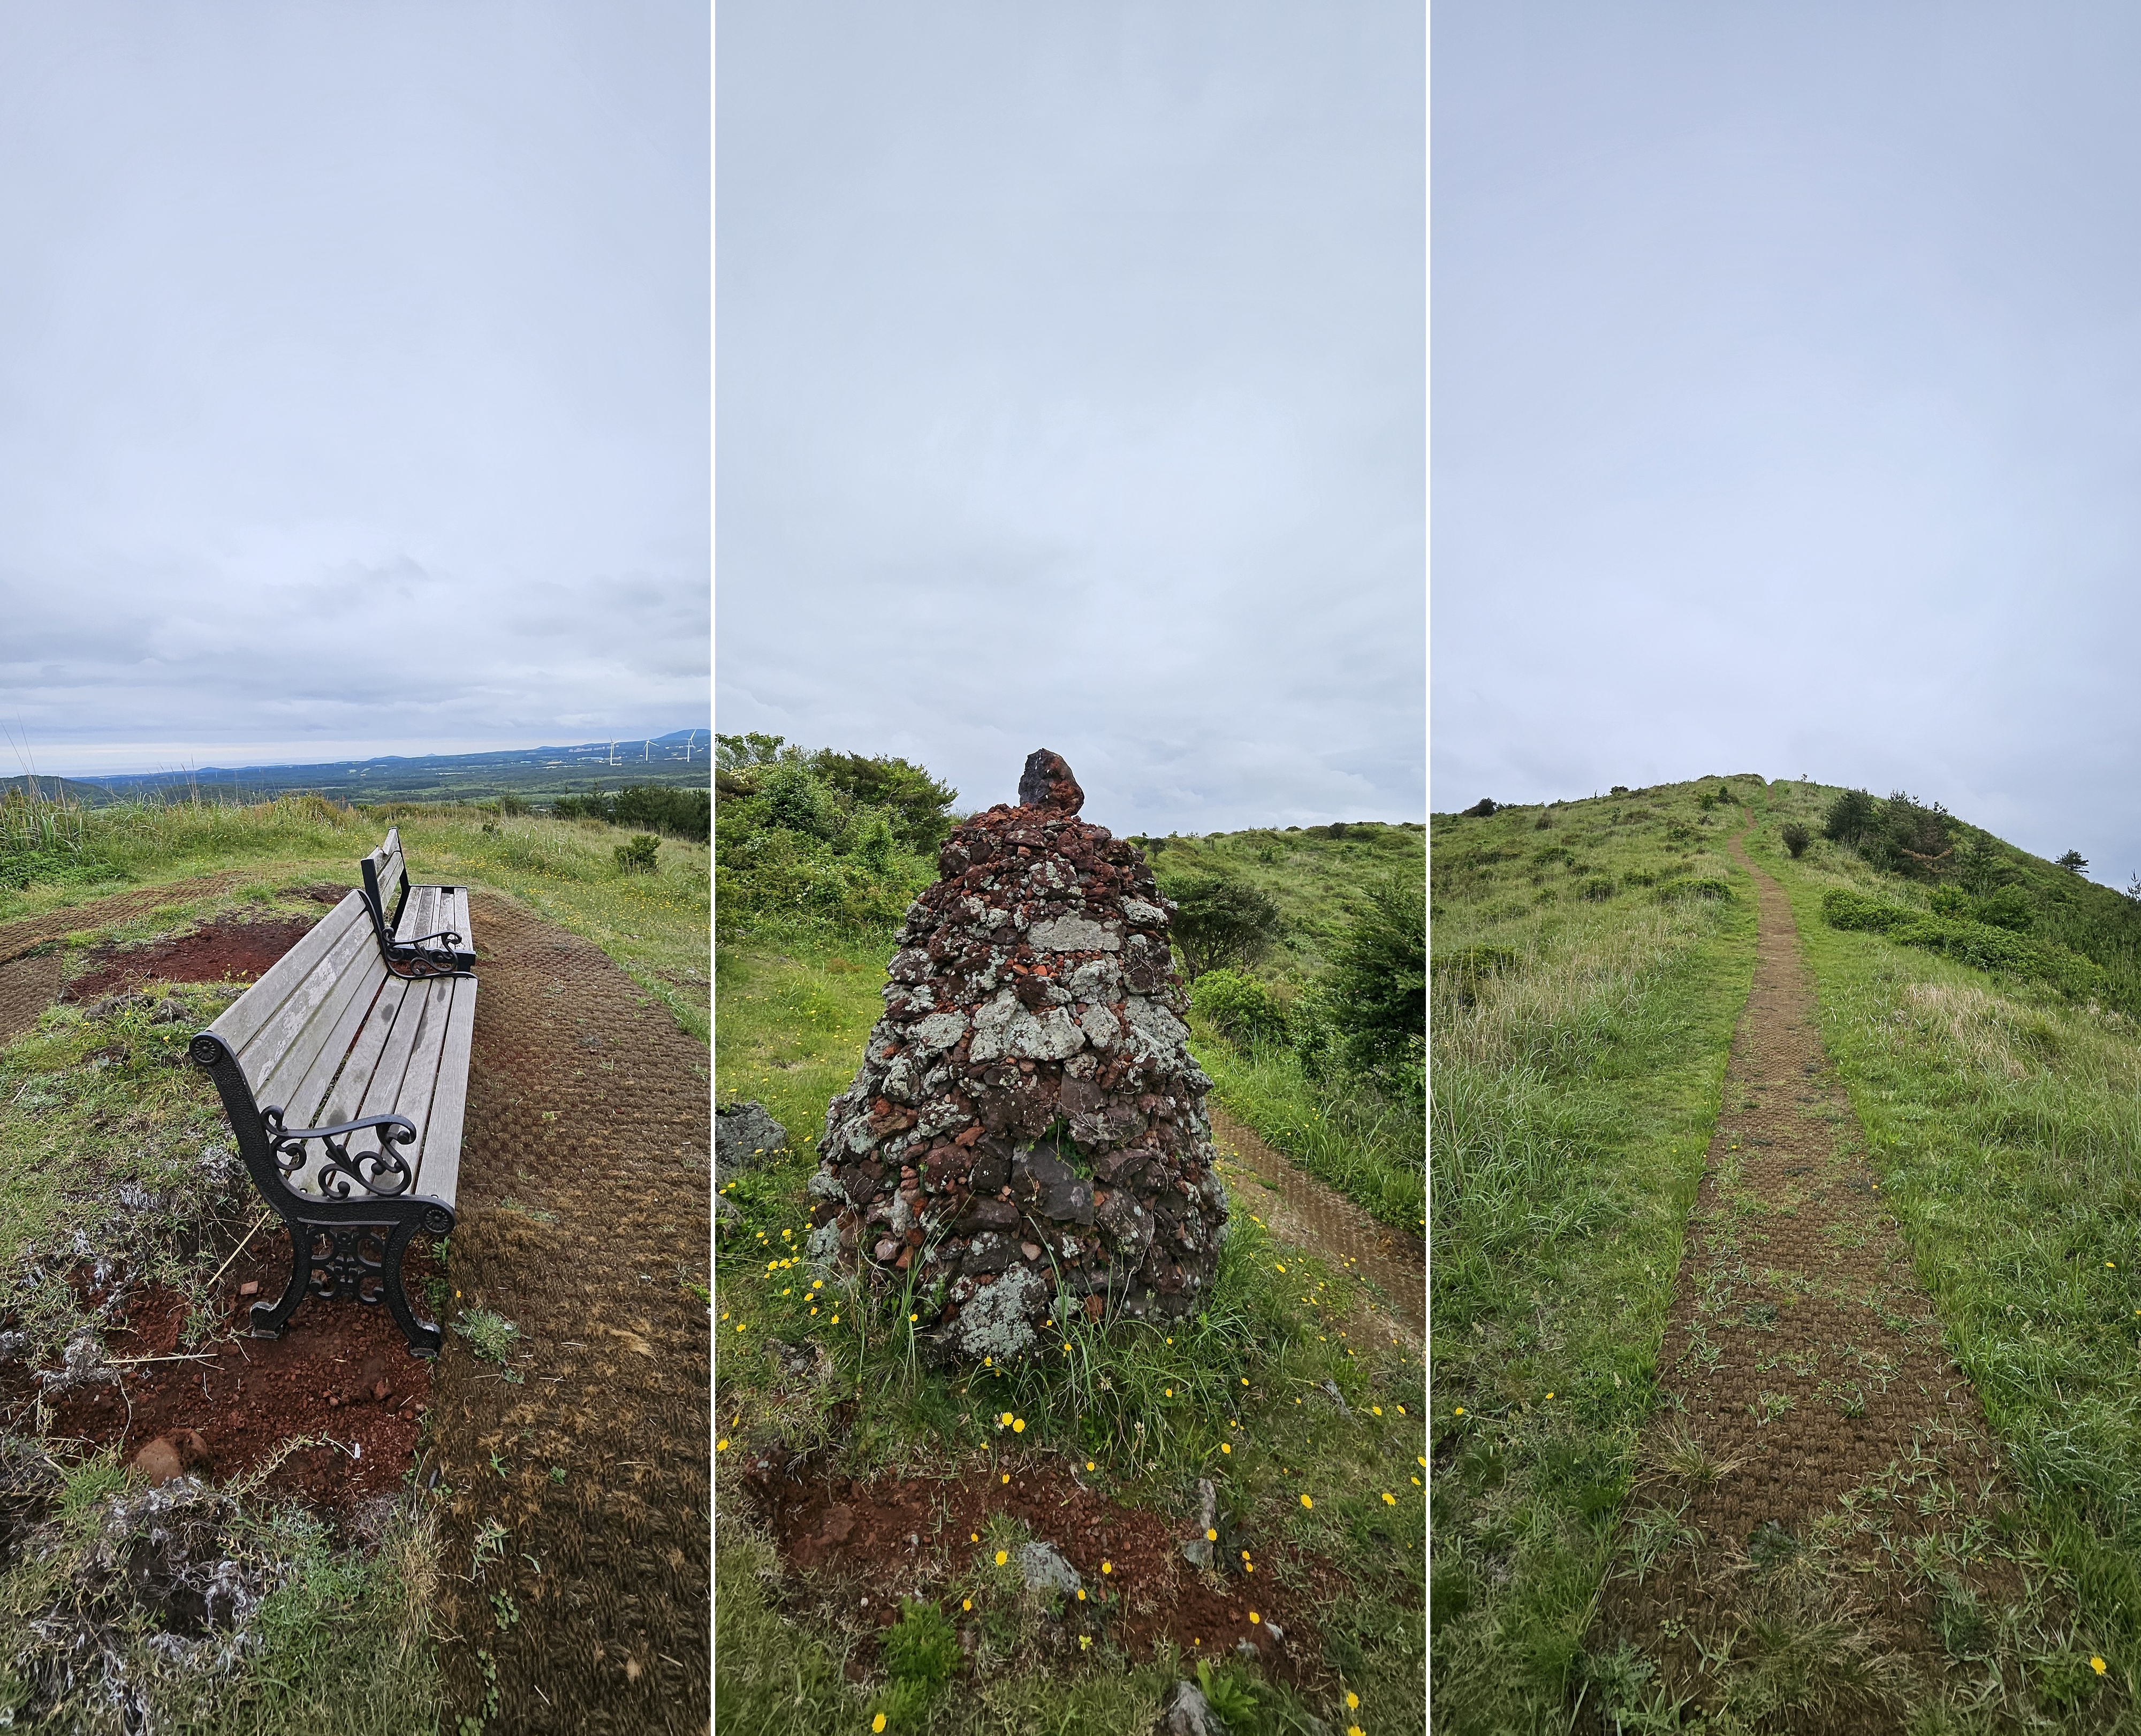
<point>1815,1485</point>
<point>576,1536</point>
<point>1297,1206</point>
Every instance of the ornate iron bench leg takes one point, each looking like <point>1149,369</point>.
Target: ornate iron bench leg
<point>270,1318</point>
<point>423,1335</point>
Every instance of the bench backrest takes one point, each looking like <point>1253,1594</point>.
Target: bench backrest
<point>329,1035</point>
<point>386,876</point>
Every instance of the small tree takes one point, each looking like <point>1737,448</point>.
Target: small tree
<point>1376,989</point>
<point>1850,818</point>
<point>2074,862</point>
<point>1220,921</point>
<point>1796,839</point>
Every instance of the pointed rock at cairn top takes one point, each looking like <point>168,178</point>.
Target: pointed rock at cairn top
<point>1046,782</point>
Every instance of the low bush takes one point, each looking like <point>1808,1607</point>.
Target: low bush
<point>638,854</point>
<point>1796,838</point>
<point>1240,1007</point>
<point>1598,887</point>
<point>1983,946</point>
<point>1220,921</point>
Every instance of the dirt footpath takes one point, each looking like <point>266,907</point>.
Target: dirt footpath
<point>575,1540</point>
<point>1295,1205</point>
<point>1815,1438</point>
<point>30,977</point>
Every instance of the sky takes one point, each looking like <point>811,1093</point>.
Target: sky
<point>1786,405</point>
<point>355,397</point>
<point>1070,393</point>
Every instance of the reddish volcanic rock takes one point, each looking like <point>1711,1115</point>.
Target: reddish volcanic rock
<point>1027,1133</point>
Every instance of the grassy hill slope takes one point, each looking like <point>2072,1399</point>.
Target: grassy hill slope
<point>1587,977</point>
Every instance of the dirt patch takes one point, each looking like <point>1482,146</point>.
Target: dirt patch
<point>19,936</point>
<point>339,1377</point>
<point>869,1544</point>
<point>1814,1428</point>
<point>228,950</point>
<point>28,986</point>
<point>1295,1205</point>
<point>594,1603</point>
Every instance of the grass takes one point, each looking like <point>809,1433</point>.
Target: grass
<point>1579,1047</point>
<point>327,1638</point>
<point>792,1026</point>
<point>108,1143</point>
<point>1368,1140</point>
<point>1579,1039</point>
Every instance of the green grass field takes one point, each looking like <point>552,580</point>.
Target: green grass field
<point>107,1150</point>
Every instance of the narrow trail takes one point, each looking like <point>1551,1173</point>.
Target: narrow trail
<point>1816,1447</point>
<point>1295,1205</point>
<point>585,1210</point>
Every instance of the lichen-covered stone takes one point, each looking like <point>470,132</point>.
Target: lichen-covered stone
<point>744,1137</point>
<point>1027,1132</point>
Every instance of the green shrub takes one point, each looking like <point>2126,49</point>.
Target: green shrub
<point>1221,921</point>
<point>1240,1006</point>
<point>636,854</point>
<point>1981,945</point>
<point>1600,886</point>
<point>1850,818</point>
<point>1796,838</point>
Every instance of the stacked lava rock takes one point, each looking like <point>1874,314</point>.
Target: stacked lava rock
<point>1027,1119</point>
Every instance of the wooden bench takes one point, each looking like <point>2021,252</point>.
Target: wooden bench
<point>344,1071</point>
<point>430,924</point>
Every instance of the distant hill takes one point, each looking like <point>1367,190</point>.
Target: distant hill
<point>682,758</point>
<point>1317,875</point>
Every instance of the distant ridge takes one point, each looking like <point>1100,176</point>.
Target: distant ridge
<point>681,757</point>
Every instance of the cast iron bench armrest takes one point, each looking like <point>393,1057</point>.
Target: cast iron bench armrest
<point>341,1168</point>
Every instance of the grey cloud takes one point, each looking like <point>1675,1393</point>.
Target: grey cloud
<point>336,335</point>
<point>1070,392</point>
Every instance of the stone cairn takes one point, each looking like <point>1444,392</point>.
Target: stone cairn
<point>1027,1130</point>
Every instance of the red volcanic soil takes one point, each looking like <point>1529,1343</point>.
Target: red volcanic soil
<point>226,950</point>
<point>341,1373</point>
<point>856,1534</point>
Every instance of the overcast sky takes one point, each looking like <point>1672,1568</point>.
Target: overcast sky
<point>1786,405</point>
<point>354,395</point>
<point>1070,393</point>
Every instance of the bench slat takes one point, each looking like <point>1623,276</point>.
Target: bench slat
<point>349,1093</point>
<point>420,1084</point>
<point>262,1023</point>
<point>338,1023</point>
<point>456,918</point>
<point>344,1102</point>
<point>440,1174</point>
<point>416,915</point>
